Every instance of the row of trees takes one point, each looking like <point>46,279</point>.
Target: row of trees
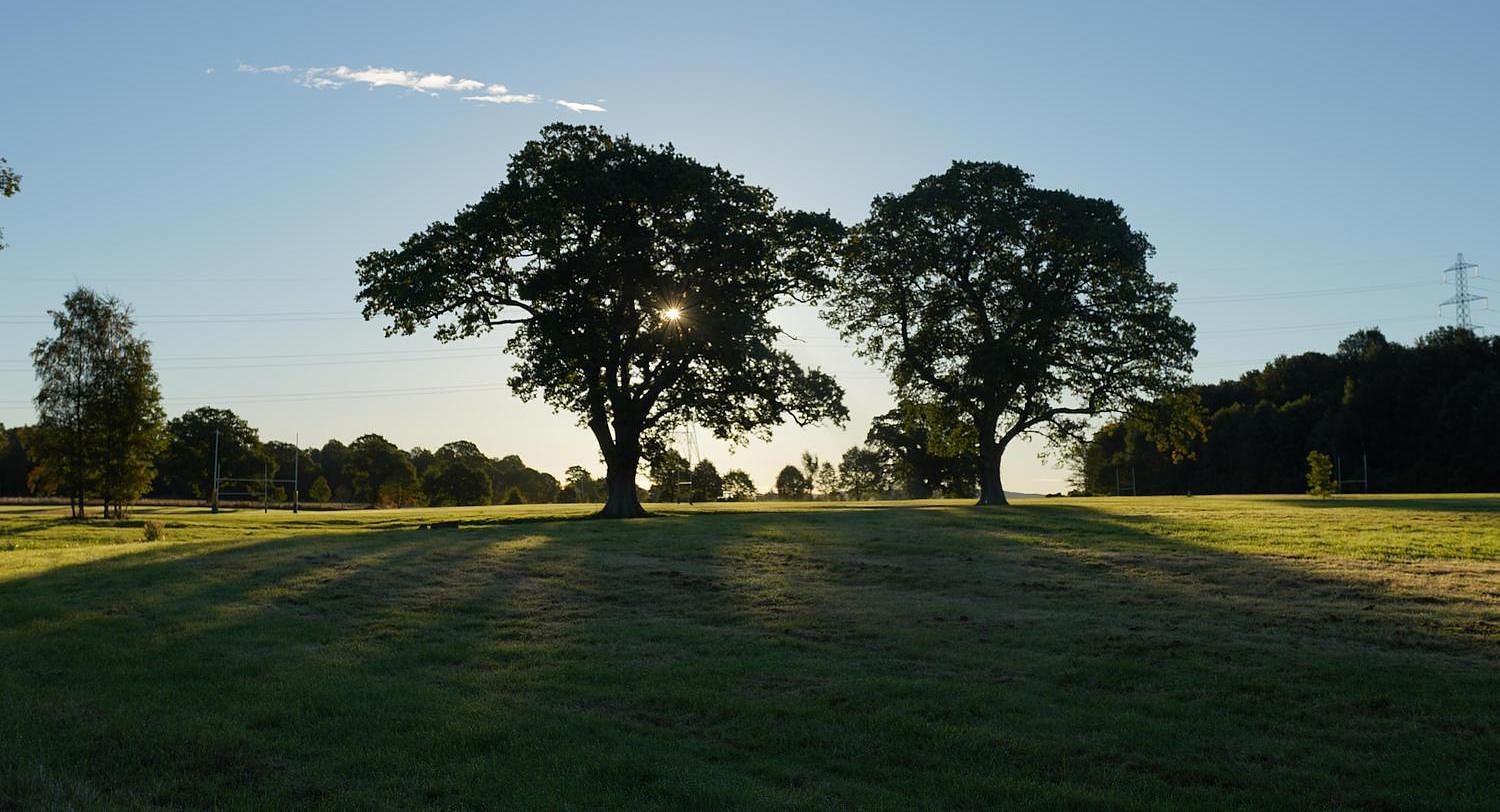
<point>640,286</point>
<point>897,461</point>
<point>1424,417</point>
<point>674,480</point>
<point>101,435</point>
<point>177,463</point>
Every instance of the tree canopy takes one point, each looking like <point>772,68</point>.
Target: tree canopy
<point>902,438</point>
<point>187,464</point>
<point>99,416</point>
<point>458,475</point>
<point>380,473</point>
<point>862,474</point>
<point>738,486</point>
<point>1423,416</point>
<point>639,284</point>
<point>791,483</point>
<point>1005,309</point>
<point>10,186</point>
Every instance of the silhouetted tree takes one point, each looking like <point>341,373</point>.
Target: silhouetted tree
<point>421,459</point>
<point>640,284</point>
<point>380,473</point>
<point>581,486</point>
<point>457,474</point>
<point>861,474</point>
<point>668,470</point>
<point>291,462</point>
<point>457,483</point>
<point>901,437</point>
<point>810,465</point>
<point>1005,309</point>
<point>331,459</point>
<point>15,468</point>
<point>738,486</point>
<point>707,485</point>
<point>510,472</point>
<point>827,480</point>
<point>791,483</point>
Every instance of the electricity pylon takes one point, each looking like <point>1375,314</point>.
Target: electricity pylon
<point>1461,296</point>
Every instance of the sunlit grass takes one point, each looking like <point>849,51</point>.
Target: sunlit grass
<point>1209,652</point>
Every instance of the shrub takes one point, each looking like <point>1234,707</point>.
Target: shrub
<point>319,492</point>
<point>1320,474</point>
<point>514,497</point>
<point>154,530</point>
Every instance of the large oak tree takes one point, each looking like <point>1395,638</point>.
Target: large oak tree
<point>640,284</point>
<point>1005,309</point>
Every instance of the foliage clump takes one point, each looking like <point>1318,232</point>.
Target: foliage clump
<point>1001,310</point>
<point>640,284</point>
<point>99,416</point>
<point>1320,475</point>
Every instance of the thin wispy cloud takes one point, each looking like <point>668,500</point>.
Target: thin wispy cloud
<point>505,98</point>
<point>429,83</point>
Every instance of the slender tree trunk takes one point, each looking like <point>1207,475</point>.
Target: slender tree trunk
<point>991,492</point>
<point>622,460</point>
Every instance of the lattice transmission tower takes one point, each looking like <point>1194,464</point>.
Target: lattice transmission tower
<point>1461,271</point>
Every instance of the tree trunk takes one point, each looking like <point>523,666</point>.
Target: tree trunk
<point>619,477</point>
<point>991,492</point>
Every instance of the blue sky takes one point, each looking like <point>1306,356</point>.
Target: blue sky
<point>1266,148</point>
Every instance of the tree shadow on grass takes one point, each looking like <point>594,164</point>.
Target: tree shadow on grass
<point>1056,656</point>
<point>1471,504</point>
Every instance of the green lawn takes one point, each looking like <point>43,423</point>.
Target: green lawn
<point>1105,653</point>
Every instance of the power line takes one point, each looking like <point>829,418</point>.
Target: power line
<point>205,318</point>
<point>1317,326</point>
<point>297,397</point>
<point>1297,294</point>
<point>375,357</point>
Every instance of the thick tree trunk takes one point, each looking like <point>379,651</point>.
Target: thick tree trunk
<point>991,492</point>
<point>624,502</point>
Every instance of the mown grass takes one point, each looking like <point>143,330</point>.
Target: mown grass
<point>1134,653</point>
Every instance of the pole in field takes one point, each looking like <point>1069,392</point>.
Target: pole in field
<point>215,470</point>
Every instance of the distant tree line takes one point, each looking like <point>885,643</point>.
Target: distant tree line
<point>897,461</point>
<point>1425,416</point>
<point>370,470</point>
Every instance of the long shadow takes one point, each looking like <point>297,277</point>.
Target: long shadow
<point>1041,656</point>
<point>1097,628</point>
<point>1474,504</point>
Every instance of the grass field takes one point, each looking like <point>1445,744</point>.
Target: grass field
<point>1204,652</point>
